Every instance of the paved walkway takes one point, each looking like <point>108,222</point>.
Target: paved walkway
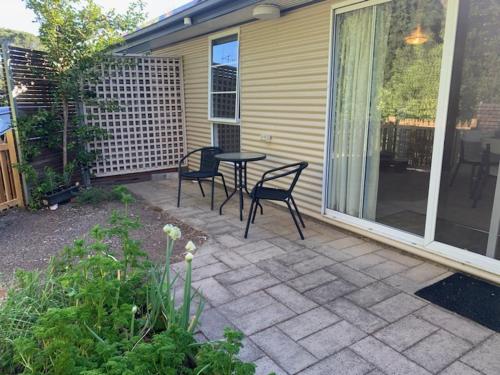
<point>332,304</point>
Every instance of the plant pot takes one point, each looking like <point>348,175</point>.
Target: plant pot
<point>61,195</point>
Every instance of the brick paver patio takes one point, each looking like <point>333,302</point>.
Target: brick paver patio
<point>331,304</point>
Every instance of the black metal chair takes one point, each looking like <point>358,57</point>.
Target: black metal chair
<point>259,192</point>
<point>209,169</point>
<point>471,153</point>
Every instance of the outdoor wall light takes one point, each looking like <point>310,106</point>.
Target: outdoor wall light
<point>266,12</point>
<point>188,21</point>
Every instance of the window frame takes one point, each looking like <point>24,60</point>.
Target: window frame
<point>214,134</point>
<point>236,119</point>
<point>426,245</point>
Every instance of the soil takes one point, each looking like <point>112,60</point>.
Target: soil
<point>29,239</point>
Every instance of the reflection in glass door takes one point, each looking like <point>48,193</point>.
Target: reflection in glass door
<point>386,66</point>
<point>468,214</point>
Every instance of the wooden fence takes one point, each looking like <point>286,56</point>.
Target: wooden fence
<point>10,182</point>
<point>28,73</point>
<point>413,143</point>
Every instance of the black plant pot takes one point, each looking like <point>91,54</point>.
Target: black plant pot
<point>61,195</point>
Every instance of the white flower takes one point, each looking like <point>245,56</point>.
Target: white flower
<point>134,309</point>
<point>172,231</point>
<point>190,247</point>
<point>189,257</point>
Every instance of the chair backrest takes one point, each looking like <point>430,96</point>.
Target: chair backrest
<point>208,162</point>
<point>294,169</point>
<point>298,171</point>
<point>471,150</point>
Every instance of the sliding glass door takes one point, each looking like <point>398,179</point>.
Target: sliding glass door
<point>385,82</point>
<point>468,215</point>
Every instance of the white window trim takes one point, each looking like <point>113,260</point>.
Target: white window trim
<point>236,120</point>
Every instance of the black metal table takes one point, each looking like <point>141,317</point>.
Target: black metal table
<point>240,160</point>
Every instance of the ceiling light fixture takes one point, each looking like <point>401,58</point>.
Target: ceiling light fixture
<point>417,37</point>
<point>266,12</point>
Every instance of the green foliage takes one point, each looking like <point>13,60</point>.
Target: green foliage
<point>480,78</point>
<point>220,357</point>
<point>411,73</point>
<point>95,195</point>
<point>37,132</point>
<point>411,92</point>
<point>20,39</point>
<point>77,35</point>
<point>102,308</point>
<point>42,131</point>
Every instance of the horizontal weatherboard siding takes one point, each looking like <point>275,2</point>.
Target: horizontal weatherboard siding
<point>283,90</point>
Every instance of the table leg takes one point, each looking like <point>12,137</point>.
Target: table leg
<point>240,175</point>
<point>246,188</point>
<point>245,184</point>
<point>234,191</point>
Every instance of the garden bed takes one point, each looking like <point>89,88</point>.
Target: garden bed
<point>29,239</point>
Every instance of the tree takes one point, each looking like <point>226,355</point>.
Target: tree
<point>77,35</point>
<point>411,74</point>
<point>411,92</point>
<point>20,39</point>
<point>480,81</point>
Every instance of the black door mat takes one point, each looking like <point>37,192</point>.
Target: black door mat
<point>467,296</point>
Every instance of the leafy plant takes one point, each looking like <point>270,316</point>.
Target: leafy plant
<point>95,195</point>
<point>220,357</point>
<point>77,35</point>
<point>102,307</point>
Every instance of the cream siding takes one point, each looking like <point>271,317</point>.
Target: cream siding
<point>194,55</point>
<point>283,88</point>
<point>284,74</point>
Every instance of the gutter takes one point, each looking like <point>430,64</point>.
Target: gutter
<point>201,11</point>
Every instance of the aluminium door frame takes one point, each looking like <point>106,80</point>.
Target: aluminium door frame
<point>406,237</point>
<point>427,241</point>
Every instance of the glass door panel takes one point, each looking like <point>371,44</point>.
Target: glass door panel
<point>387,60</point>
<point>469,200</point>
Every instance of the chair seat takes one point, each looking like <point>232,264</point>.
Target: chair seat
<point>269,193</point>
<point>198,174</point>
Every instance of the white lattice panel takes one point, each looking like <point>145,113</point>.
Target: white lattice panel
<point>147,132</point>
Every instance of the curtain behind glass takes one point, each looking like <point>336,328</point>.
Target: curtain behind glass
<point>382,25</point>
<point>351,102</point>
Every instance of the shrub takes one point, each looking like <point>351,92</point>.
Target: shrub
<point>100,308</point>
<point>95,195</point>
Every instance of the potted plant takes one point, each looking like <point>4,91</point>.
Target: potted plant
<point>57,188</point>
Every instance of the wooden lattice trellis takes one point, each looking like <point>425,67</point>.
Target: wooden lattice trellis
<point>147,132</point>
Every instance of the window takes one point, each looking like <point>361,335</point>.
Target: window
<point>227,137</point>
<point>223,80</point>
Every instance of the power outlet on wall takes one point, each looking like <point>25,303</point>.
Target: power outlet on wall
<point>266,137</point>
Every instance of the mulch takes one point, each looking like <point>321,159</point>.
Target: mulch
<point>29,239</point>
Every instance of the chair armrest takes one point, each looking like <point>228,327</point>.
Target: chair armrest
<point>296,167</point>
<point>187,155</point>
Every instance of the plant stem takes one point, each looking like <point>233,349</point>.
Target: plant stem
<point>65,131</point>
<point>186,306</point>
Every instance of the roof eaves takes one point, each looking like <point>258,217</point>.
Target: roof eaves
<point>163,21</point>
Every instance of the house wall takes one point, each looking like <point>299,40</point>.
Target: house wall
<point>283,93</point>
<point>194,54</point>
<point>283,88</point>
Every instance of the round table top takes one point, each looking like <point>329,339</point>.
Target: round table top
<point>240,156</point>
